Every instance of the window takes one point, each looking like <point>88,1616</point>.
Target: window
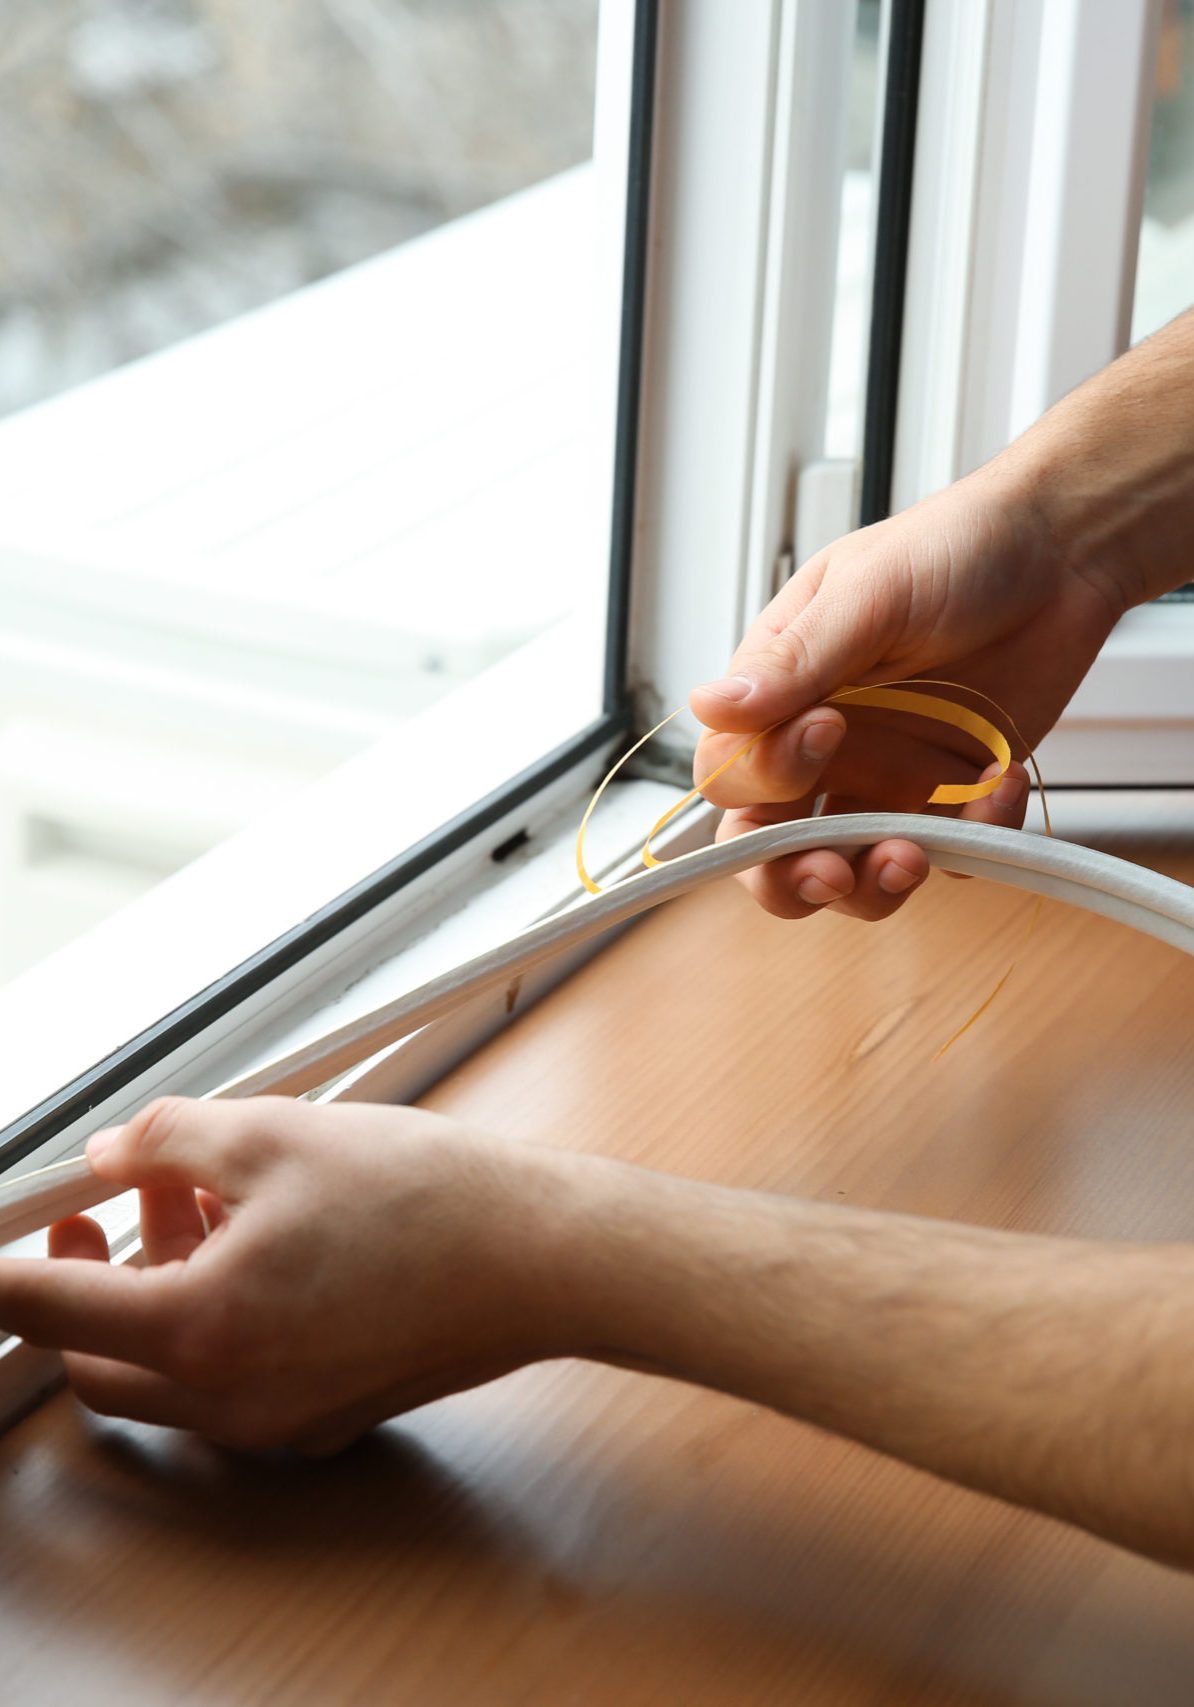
<point>1165,265</point>
<point>1032,151</point>
<point>229,567</point>
<point>607,463</point>
<point>303,603</point>
<point>235,557</point>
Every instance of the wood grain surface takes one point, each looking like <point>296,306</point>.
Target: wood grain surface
<point>580,1535</point>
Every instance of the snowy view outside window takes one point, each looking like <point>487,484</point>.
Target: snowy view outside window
<point>296,403</point>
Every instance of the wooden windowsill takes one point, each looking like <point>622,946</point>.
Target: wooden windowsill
<point>584,1534</point>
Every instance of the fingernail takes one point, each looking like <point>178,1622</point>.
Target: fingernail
<point>820,741</point>
<point>1011,791</point>
<point>101,1141</point>
<point>730,687</point>
<point>816,893</point>
<point>895,879</point>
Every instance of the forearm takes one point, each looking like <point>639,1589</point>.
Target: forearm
<point>1110,468</point>
<point>1053,1373</point>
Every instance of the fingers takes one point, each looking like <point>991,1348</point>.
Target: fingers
<point>779,767</point>
<point>80,1238</point>
<point>1009,803</point>
<point>879,880</point>
<point>171,1227</point>
<point>885,876</point>
<point>1006,807</point>
<point>115,1389</point>
<point>243,1421</point>
<point>796,885</point>
<point>774,674</point>
<point>873,886</point>
<point>880,767</point>
<point>74,1304</point>
<point>244,1418</point>
<point>783,766</point>
<point>178,1141</point>
<point>800,885</point>
<point>805,645</point>
<point>171,1224</point>
<point>212,1208</point>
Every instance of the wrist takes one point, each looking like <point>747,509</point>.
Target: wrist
<point>610,1270</point>
<point>1082,524</point>
<point>658,1273</point>
<point>1109,469</point>
<point>1053,529</point>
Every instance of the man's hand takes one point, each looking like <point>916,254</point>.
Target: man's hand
<point>315,1270</point>
<point>360,1261</point>
<point>969,586</point>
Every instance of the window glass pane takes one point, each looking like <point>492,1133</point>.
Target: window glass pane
<point>847,372</point>
<point>1165,262</point>
<point>1165,266</point>
<point>172,163</point>
<point>308,320</point>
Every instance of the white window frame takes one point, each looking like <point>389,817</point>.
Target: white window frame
<point>748,160</point>
<point>1032,145</point>
<point>746,173</point>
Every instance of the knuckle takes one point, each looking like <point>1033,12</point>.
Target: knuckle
<point>268,1133</point>
<point>264,1148</point>
<point>788,649</point>
<point>158,1124</point>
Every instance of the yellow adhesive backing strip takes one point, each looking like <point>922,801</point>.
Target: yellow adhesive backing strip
<point>883,696</point>
<point>907,696</point>
<point>892,698</point>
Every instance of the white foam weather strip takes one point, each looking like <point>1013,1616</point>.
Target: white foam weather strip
<point>1130,894</point>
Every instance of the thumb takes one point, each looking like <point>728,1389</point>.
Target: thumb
<point>779,671</point>
<point>182,1141</point>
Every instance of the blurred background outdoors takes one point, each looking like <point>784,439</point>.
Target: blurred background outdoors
<point>1165,266</point>
<point>227,568</point>
<point>168,164</point>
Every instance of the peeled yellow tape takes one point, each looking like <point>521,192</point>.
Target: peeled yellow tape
<point>889,697</point>
<point>906,696</point>
<point>884,696</point>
